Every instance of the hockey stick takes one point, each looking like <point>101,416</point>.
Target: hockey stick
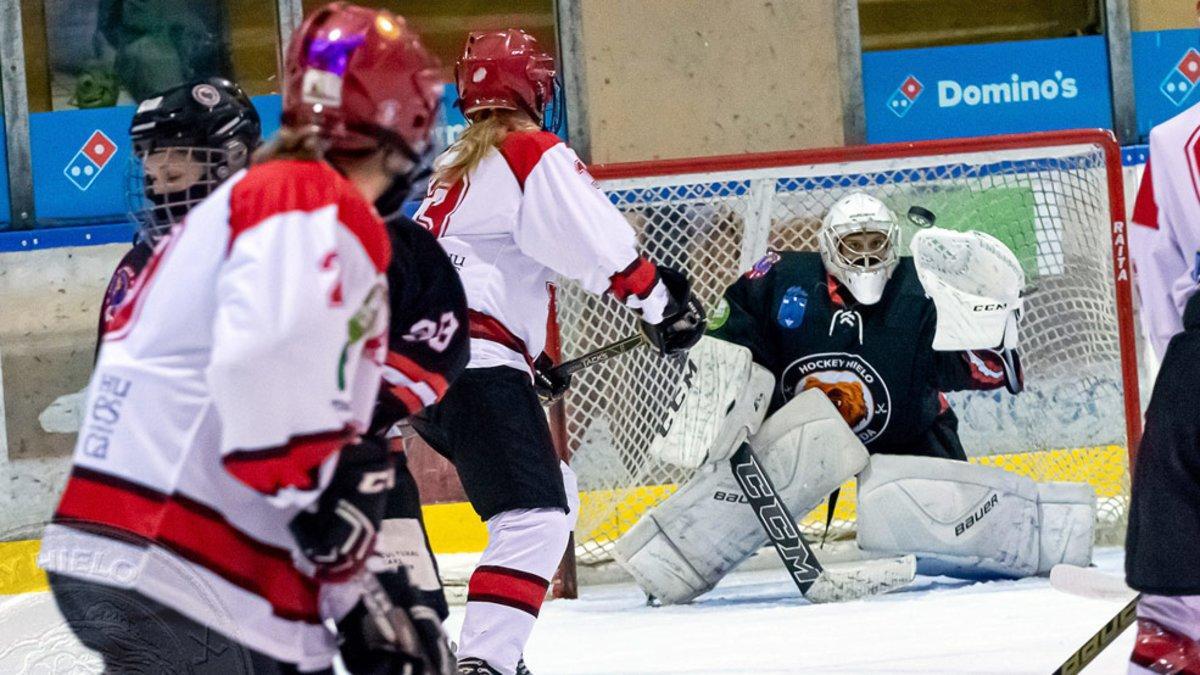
<point>598,356</point>
<point>1103,638</point>
<point>816,583</point>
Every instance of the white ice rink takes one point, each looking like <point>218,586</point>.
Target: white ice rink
<point>755,622</point>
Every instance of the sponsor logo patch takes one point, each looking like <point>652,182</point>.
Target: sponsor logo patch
<point>719,315</point>
<point>764,265</point>
<point>791,308</point>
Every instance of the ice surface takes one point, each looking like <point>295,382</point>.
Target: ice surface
<point>755,622</point>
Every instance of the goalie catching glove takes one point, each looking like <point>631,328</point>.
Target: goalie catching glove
<point>975,282</point>
<point>684,319</point>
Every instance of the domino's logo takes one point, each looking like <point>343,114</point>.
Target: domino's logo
<point>91,159</point>
<point>1181,80</point>
<point>905,96</point>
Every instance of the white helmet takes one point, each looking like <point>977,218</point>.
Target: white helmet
<point>859,239</point>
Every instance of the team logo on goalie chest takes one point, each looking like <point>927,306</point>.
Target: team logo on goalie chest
<point>850,382</point>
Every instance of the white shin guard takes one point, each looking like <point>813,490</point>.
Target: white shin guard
<point>685,545</point>
<point>972,521</point>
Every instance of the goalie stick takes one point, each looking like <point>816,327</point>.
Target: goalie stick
<point>816,583</point>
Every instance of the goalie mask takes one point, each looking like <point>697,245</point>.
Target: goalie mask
<point>859,239</point>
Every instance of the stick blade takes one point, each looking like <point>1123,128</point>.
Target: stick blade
<point>1089,583</point>
<point>862,579</point>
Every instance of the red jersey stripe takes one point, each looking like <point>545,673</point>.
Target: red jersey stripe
<point>484,327</point>
<point>637,279</point>
<point>509,587</point>
<point>523,149</point>
<point>112,507</point>
<point>414,371</point>
<point>294,464</point>
<point>283,186</point>
<point>1145,207</point>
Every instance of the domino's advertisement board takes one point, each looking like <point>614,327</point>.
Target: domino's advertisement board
<point>81,162</point>
<point>978,90</point>
<point>1166,75</point>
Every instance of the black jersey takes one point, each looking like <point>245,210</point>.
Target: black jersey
<point>131,265</point>
<point>428,343</point>
<point>875,362</point>
<point>1162,546</point>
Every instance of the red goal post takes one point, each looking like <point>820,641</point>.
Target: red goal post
<point>1056,198</point>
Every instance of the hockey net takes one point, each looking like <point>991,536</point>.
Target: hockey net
<point>1054,198</point>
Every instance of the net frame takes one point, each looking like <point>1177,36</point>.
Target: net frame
<point>721,172</point>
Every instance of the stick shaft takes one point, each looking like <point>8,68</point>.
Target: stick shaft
<point>599,356</point>
<point>775,517</point>
<point>1102,639</point>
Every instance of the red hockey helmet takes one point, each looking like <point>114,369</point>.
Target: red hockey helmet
<point>504,70</point>
<point>363,77</point>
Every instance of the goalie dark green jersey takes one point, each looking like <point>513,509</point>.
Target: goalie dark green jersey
<point>875,362</point>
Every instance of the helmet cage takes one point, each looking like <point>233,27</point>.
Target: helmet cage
<point>165,183</point>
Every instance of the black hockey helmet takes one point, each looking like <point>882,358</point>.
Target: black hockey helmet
<point>186,141</point>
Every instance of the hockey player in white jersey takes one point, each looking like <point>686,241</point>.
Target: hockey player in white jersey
<point>515,208</point>
<point>222,474</point>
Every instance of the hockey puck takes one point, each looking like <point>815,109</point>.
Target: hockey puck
<point>921,217</point>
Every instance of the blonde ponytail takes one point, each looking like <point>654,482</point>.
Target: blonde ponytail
<point>303,143</point>
<point>484,133</point>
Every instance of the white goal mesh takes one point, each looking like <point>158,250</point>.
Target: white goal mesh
<point>1047,196</point>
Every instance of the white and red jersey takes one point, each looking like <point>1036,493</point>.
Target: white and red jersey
<point>529,213</point>
<point>248,351</point>
<point>1165,236</point>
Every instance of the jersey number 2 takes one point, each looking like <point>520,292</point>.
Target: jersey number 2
<point>440,203</point>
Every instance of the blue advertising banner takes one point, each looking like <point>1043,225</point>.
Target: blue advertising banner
<point>976,90</point>
<point>81,161</point>
<point>1166,70</point>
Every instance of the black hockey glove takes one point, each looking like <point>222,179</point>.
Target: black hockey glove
<point>550,385</point>
<point>389,632</point>
<point>338,534</point>
<point>684,320</point>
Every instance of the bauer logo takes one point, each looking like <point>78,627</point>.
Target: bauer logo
<point>1177,86</point>
<point>91,159</point>
<point>905,96</point>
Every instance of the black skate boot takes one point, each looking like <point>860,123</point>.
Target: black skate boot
<point>473,666</point>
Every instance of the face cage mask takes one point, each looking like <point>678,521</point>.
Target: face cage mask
<point>863,267</point>
<point>164,184</point>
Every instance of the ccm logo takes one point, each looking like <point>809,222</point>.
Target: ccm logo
<point>990,308</point>
<point>977,516</point>
<point>374,482</point>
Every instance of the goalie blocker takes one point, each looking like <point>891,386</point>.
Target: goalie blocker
<point>960,519</point>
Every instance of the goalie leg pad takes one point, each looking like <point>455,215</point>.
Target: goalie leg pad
<point>685,545</point>
<point>959,519</point>
<point>1067,513</point>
